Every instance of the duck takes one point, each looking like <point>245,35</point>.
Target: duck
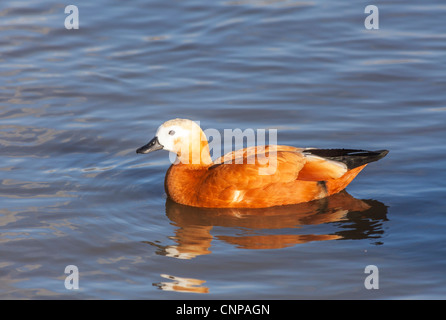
<point>253,177</point>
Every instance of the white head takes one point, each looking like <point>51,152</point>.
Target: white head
<point>184,138</point>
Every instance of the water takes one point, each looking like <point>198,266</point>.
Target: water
<point>75,105</point>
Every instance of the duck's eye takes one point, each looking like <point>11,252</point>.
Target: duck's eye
<point>171,132</point>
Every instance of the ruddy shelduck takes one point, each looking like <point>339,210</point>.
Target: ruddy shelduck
<point>253,177</point>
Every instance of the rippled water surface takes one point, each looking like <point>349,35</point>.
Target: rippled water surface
<point>75,105</point>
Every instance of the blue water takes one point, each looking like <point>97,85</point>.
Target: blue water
<point>75,104</point>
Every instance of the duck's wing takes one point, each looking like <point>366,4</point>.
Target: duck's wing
<point>256,167</point>
<point>292,163</point>
<point>242,154</point>
<point>325,164</point>
<point>321,169</point>
<point>308,164</point>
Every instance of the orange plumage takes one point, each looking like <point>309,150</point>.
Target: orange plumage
<point>254,177</point>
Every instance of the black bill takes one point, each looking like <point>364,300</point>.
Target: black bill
<point>153,145</point>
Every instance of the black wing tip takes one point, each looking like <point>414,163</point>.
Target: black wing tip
<point>377,155</point>
<point>383,153</point>
<point>344,152</point>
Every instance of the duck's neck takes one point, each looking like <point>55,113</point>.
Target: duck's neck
<point>197,156</point>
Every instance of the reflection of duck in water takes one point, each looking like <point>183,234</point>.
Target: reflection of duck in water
<point>255,177</point>
<point>269,228</point>
<point>180,284</point>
